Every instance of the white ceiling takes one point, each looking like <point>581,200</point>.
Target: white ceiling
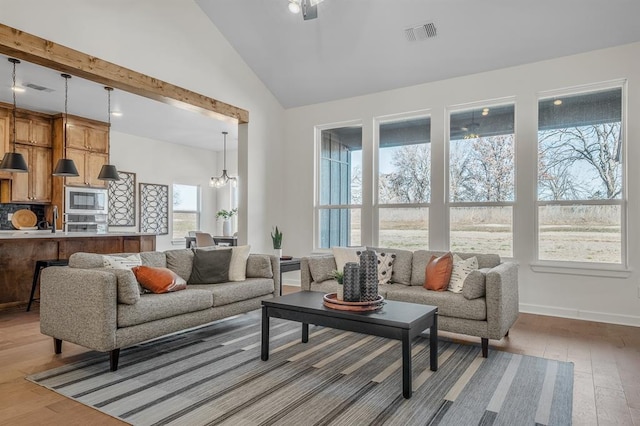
<point>356,47</point>
<point>140,116</point>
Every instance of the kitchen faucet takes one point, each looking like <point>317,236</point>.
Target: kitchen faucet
<point>55,219</point>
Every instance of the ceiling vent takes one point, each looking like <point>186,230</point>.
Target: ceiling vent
<point>37,87</point>
<point>421,32</point>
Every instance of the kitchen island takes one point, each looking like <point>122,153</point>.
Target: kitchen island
<point>20,249</point>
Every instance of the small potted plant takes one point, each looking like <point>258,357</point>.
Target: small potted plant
<point>276,237</point>
<point>226,216</point>
<point>338,276</point>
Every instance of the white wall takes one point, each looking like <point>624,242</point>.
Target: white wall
<point>599,298</point>
<point>174,41</point>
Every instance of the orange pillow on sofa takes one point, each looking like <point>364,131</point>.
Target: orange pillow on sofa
<point>158,280</point>
<point>438,272</point>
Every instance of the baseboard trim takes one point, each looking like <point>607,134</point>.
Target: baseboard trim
<point>578,314</point>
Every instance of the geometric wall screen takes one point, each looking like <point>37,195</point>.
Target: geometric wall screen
<point>122,200</point>
<point>154,208</point>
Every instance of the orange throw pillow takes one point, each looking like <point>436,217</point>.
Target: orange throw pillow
<point>438,272</point>
<point>158,280</point>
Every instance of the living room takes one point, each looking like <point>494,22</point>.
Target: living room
<point>177,42</point>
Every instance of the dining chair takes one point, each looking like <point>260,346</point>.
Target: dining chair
<point>204,239</point>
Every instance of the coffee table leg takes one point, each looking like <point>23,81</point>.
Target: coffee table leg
<point>305,332</point>
<point>433,343</point>
<point>265,335</point>
<point>406,365</point>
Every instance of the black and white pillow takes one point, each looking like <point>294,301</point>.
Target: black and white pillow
<point>385,267</point>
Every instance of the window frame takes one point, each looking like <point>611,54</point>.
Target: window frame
<point>448,204</point>
<point>579,267</point>
<point>198,211</point>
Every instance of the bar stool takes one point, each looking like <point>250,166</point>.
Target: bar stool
<point>40,265</point>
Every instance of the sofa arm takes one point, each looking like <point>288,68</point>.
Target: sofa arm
<point>502,298</point>
<point>275,265</point>
<point>79,306</point>
<point>305,274</point>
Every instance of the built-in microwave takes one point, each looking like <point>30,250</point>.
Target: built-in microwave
<point>85,200</point>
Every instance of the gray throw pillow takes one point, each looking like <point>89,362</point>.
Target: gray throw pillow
<point>210,267</point>
<point>259,266</point>
<point>475,284</point>
<point>321,268</point>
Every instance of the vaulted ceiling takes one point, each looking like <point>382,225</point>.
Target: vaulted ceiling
<point>357,47</point>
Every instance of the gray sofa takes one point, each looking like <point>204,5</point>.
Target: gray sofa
<point>487,307</point>
<point>105,309</point>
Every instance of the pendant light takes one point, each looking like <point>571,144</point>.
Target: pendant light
<point>65,167</point>
<point>219,182</point>
<point>14,161</point>
<point>108,171</point>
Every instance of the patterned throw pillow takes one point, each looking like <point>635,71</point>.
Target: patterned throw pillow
<point>385,267</point>
<point>461,270</point>
<point>119,262</point>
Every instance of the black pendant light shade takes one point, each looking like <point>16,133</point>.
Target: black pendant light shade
<point>65,168</point>
<point>14,161</point>
<point>108,172</point>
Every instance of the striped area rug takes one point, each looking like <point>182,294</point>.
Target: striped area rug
<point>214,375</point>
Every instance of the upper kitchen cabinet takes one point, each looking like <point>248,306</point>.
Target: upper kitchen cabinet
<point>33,129</point>
<point>4,142</point>
<point>34,186</point>
<point>87,134</point>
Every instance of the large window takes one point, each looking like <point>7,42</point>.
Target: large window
<point>580,184</point>
<point>186,210</point>
<point>340,187</point>
<point>404,182</point>
<point>482,180</point>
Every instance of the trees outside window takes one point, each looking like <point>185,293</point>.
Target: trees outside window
<point>580,177</point>
<point>482,179</point>
<point>186,210</point>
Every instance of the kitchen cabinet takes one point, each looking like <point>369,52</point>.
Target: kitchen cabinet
<point>90,136</point>
<point>88,164</point>
<point>33,130</point>
<point>34,186</point>
<point>5,147</point>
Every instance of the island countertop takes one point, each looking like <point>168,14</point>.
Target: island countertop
<point>20,249</point>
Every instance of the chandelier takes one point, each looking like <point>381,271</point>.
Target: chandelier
<point>219,182</point>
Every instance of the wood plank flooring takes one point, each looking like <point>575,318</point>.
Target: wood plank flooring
<point>606,373</point>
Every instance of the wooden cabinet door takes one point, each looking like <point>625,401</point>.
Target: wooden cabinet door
<point>97,139</point>
<point>76,136</point>
<point>41,132</point>
<point>20,191</point>
<point>94,162</point>
<point>23,130</point>
<point>40,171</point>
<point>78,157</point>
<point>5,146</point>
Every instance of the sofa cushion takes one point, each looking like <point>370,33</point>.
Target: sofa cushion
<point>401,272</point>
<point>127,287</point>
<point>484,260</point>
<point>238,264</point>
<point>322,267</point>
<point>259,266</point>
<point>438,272</point>
<point>331,286</point>
<point>180,261</point>
<point>461,270</point>
<point>86,260</point>
<point>230,292</point>
<point>210,266</point>
<point>157,259</point>
<point>475,284</point>
<point>449,304</point>
<point>153,307</point>
<point>343,255</point>
<point>159,280</point>
<point>419,264</point>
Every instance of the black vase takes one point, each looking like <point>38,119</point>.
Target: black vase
<point>351,282</point>
<point>368,276</point>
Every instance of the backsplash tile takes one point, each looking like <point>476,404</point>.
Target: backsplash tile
<point>5,209</point>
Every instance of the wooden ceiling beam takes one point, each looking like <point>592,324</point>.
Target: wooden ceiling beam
<point>21,45</point>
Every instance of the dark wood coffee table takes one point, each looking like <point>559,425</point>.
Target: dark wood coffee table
<point>396,320</point>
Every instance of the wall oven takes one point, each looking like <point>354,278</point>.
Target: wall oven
<point>85,210</point>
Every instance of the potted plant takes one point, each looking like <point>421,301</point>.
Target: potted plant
<point>226,216</point>
<point>276,237</point>
<point>339,277</point>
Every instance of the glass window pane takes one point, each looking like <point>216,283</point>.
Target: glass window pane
<point>481,155</point>
<point>580,146</point>
<point>580,233</point>
<point>185,197</point>
<point>404,161</point>
<point>339,227</point>
<point>405,228</point>
<point>482,230</point>
<point>341,166</point>
<point>183,223</point>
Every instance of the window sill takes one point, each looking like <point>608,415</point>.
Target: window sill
<point>581,269</point>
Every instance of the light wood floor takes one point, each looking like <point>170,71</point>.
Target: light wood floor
<point>606,378</point>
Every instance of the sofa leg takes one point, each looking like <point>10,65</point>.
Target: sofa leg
<point>113,359</point>
<point>485,347</point>
<point>57,345</point>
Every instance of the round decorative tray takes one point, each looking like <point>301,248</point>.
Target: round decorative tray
<point>24,218</point>
<point>330,300</point>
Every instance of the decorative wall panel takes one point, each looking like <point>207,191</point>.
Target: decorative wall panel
<point>154,208</point>
<point>122,200</point>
